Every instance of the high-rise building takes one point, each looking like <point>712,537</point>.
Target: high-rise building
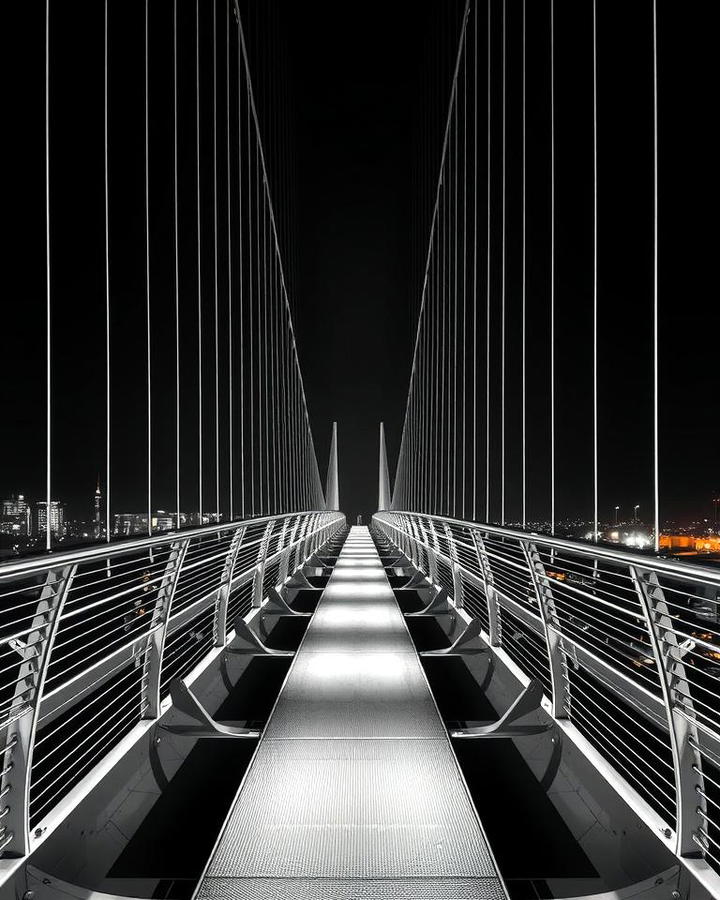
<point>16,516</point>
<point>97,518</point>
<point>40,518</point>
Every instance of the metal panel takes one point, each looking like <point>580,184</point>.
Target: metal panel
<point>354,777</point>
<point>353,889</point>
<point>353,808</point>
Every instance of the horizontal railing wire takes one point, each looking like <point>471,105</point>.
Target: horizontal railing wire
<point>76,634</point>
<point>636,643</point>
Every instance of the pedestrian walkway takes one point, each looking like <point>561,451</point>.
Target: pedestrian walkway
<point>354,790</point>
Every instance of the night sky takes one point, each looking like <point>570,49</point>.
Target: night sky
<point>353,150</point>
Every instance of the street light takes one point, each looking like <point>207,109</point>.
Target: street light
<point>617,509</point>
<point>635,509</point>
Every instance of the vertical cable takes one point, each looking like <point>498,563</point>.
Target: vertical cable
<point>215,267</point>
<point>251,309</point>
<point>231,423</point>
<point>259,338</point>
<point>455,311</point>
<point>503,267</point>
<point>176,251</point>
<point>487,305</point>
<point>48,304</point>
<point>656,373</point>
<point>552,266</point>
<point>260,310</point>
<point>443,277</point>
<point>464,296</point>
<point>475,236</point>
<point>524,266</point>
<point>241,312</point>
<point>107,280</point>
<point>147,267</point>
<point>266,419</point>
<point>595,283</point>
<point>199,264</point>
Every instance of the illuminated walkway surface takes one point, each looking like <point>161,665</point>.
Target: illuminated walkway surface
<point>354,791</point>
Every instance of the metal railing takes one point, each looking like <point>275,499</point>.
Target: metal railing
<point>91,639</point>
<point>627,648</point>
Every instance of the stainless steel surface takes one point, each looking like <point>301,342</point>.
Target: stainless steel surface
<point>354,889</point>
<point>91,639</point>
<point>354,790</point>
<point>626,645</point>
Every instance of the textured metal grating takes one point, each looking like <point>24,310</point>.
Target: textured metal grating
<point>353,889</point>
<point>356,695</point>
<point>357,808</point>
<point>354,791</point>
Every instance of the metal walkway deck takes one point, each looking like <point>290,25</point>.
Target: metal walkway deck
<point>354,790</point>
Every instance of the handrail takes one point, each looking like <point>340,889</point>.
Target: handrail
<point>87,653</point>
<point>627,648</point>
<point>104,550</point>
<point>687,570</point>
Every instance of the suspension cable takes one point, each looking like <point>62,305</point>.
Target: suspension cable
<point>147,267</point>
<point>552,266</point>
<point>106,179</point>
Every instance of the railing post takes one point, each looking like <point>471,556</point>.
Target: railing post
<point>494,630</point>
<point>19,741</point>
<point>423,541</point>
<point>458,595</point>
<point>690,802</point>
<point>287,550</point>
<point>313,535</point>
<point>551,627</point>
<point>257,597</point>
<point>415,554</point>
<point>432,553</point>
<point>225,588</point>
<point>155,644</point>
<point>300,555</point>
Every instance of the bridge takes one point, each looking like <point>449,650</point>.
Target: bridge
<point>257,697</point>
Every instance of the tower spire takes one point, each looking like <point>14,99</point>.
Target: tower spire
<point>384,501</point>
<point>332,492</point>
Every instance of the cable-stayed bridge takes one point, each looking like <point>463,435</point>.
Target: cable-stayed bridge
<point>255,699</point>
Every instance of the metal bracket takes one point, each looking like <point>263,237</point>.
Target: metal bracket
<point>246,641</point>
<point>298,580</point>
<point>201,724</point>
<point>399,562</point>
<point>527,702</point>
<point>276,605</point>
<point>418,580</point>
<point>315,561</point>
<point>439,604</point>
<point>459,645</point>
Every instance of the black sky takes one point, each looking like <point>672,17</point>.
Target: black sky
<point>366,86</point>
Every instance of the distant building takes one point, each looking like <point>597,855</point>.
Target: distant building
<point>97,506</point>
<point>16,516</point>
<point>40,518</point>
<point>130,523</point>
<point>690,544</point>
<point>163,521</point>
<point>137,523</point>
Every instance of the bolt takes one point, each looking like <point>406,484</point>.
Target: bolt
<point>38,832</point>
<point>28,895</point>
<point>675,895</point>
<point>667,832</point>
